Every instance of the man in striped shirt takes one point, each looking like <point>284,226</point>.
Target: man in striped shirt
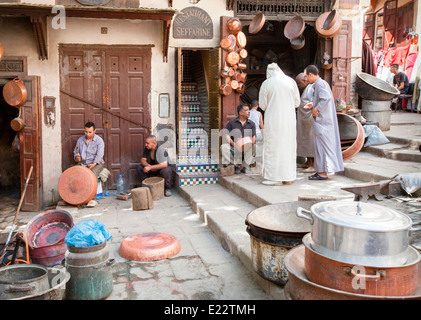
<point>89,150</point>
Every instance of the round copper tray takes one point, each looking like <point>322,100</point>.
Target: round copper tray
<point>257,23</point>
<point>332,31</point>
<point>149,246</point>
<point>77,185</point>
<point>294,27</point>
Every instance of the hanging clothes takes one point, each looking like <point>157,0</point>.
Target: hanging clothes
<point>396,55</point>
<point>368,65</point>
<point>410,62</point>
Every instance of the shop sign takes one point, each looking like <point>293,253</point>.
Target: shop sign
<point>193,23</point>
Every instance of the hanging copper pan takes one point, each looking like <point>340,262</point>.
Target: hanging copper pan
<point>14,93</point>
<point>241,39</point>
<point>233,58</point>
<point>233,42</point>
<point>241,87</point>
<point>234,26</point>
<point>330,20</point>
<point>257,23</point>
<point>225,43</point>
<point>243,53</point>
<point>17,123</point>
<point>241,77</point>
<point>294,27</point>
<point>332,31</point>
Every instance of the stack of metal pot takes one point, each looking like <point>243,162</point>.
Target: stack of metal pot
<point>361,248</point>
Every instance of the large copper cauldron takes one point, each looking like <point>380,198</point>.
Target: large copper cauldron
<point>401,280</point>
<point>299,287</point>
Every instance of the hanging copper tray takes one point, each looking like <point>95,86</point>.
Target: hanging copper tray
<point>331,32</point>
<point>257,23</point>
<point>294,27</point>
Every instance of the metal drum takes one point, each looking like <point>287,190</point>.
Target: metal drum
<point>90,272</point>
<point>377,111</point>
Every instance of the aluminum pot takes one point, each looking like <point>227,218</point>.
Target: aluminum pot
<point>400,280</point>
<point>359,232</point>
<point>22,280</point>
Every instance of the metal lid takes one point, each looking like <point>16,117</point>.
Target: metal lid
<point>361,215</point>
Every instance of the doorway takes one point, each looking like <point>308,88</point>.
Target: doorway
<point>199,103</point>
<point>9,156</point>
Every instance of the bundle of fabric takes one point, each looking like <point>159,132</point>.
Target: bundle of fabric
<point>104,175</point>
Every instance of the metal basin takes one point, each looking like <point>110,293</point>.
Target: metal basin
<point>22,280</point>
<point>371,88</point>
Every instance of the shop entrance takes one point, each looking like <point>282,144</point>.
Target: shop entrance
<point>270,45</point>
<point>9,156</point>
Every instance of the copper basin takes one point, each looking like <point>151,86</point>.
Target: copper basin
<point>352,135</point>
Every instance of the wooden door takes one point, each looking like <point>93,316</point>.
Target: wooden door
<point>341,70</point>
<point>128,86</point>
<point>30,142</point>
<point>116,78</point>
<point>390,14</point>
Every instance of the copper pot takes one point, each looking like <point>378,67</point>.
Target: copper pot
<point>233,58</point>
<point>242,66</point>
<point>241,77</point>
<point>234,84</point>
<point>17,123</point>
<point>225,43</point>
<point>299,287</point>
<point>234,26</point>
<point>225,89</point>
<point>401,280</point>
<point>243,53</point>
<point>241,87</point>
<point>14,93</point>
<point>343,121</point>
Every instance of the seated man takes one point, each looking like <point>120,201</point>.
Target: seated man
<point>151,165</point>
<point>239,141</point>
<point>89,150</point>
<point>400,80</point>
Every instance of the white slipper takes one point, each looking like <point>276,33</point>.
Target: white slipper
<point>272,183</point>
<point>309,170</point>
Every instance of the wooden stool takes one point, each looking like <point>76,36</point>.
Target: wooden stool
<point>141,199</point>
<point>156,186</point>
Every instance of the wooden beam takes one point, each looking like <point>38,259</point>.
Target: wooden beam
<point>40,31</point>
<point>166,37</point>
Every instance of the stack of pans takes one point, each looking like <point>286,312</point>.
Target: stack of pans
<point>358,248</point>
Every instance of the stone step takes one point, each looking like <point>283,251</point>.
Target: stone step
<point>197,178</point>
<point>367,167</point>
<point>225,214</point>
<point>395,151</point>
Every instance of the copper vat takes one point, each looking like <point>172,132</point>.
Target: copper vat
<point>401,280</point>
<point>294,27</point>
<point>15,93</point>
<point>77,185</point>
<point>299,287</point>
<point>257,23</point>
<point>234,26</point>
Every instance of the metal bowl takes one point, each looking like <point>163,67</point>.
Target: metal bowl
<point>369,87</point>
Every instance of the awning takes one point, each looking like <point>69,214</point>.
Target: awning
<point>39,13</point>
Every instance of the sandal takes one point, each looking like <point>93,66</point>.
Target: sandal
<point>317,177</point>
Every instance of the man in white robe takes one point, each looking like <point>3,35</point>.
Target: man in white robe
<point>327,142</point>
<point>305,143</point>
<point>278,97</point>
